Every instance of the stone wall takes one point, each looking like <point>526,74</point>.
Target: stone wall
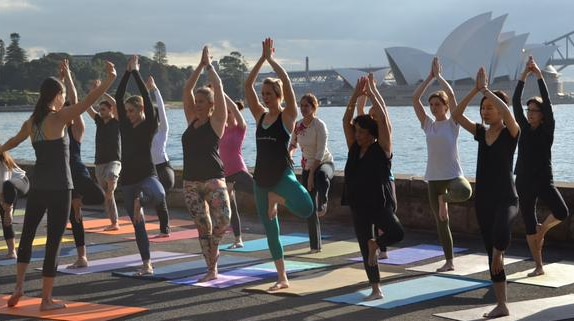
<point>413,207</point>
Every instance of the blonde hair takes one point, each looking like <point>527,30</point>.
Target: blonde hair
<point>8,160</point>
<point>136,101</point>
<point>441,95</point>
<point>208,92</point>
<point>277,85</point>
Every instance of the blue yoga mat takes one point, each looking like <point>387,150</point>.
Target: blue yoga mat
<point>408,255</point>
<point>261,244</point>
<point>190,269</point>
<point>65,252</point>
<point>255,272</point>
<point>412,291</point>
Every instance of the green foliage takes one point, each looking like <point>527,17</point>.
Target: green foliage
<point>14,54</point>
<point>160,53</point>
<point>2,52</point>
<point>232,70</point>
<point>11,98</point>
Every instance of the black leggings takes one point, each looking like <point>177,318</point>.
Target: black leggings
<point>91,194</point>
<point>384,219</point>
<point>242,182</point>
<point>10,197</point>
<point>319,196</point>
<point>495,219</point>
<point>56,204</point>
<point>528,194</point>
<point>166,177</point>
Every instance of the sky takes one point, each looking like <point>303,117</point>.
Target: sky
<point>332,33</point>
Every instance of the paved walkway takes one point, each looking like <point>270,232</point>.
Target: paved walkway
<point>166,301</point>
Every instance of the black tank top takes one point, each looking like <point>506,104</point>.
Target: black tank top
<point>272,153</point>
<point>52,168</point>
<point>201,159</point>
<point>77,167</point>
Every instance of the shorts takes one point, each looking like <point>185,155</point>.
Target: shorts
<point>108,172</point>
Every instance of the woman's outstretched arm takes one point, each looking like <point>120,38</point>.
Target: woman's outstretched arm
<point>253,103</point>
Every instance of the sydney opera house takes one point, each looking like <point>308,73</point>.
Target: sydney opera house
<point>478,42</point>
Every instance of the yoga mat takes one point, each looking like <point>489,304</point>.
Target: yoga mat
<point>99,223</point>
<point>545,309</point>
<point>408,255</point>
<point>40,240</point>
<point>173,236</point>
<point>248,274</point>
<point>556,275</point>
<point>75,311</point>
<point>320,282</point>
<point>328,250</point>
<point>115,263</point>
<point>65,252</point>
<point>412,291</point>
<point>261,244</point>
<point>189,269</point>
<point>465,264</point>
<point>124,229</point>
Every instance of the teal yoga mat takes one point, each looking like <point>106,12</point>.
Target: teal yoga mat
<point>261,244</point>
<point>412,291</point>
<point>190,269</point>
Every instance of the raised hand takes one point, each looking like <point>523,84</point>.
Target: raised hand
<point>205,58</point>
<point>268,49</point>
<point>533,67</point>
<point>481,80</point>
<point>133,63</point>
<point>96,83</point>
<point>436,69</point>
<point>360,87</point>
<point>65,72</point>
<point>150,84</point>
<point>110,70</point>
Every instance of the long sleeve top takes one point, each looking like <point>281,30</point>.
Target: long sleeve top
<point>313,142</point>
<point>158,144</point>
<point>136,141</point>
<point>534,161</point>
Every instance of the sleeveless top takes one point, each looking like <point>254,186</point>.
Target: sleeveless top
<point>230,150</point>
<point>52,168</point>
<point>201,159</point>
<point>272,154</point>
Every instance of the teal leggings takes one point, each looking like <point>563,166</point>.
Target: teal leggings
<point>297,201</point>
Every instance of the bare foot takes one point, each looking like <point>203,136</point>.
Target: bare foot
<point>497,312</point>
<point>373,252</point>
<point>50,305</point>
<point>11,255</point>
<point>448,266</point>
<point>273,199</point>
<point>375,295</point>
<point>138,211</point>
<point>383,255</point>
<point>442,208</point>
<point>81,262</point>
<point>112,227</point>
<point>211,275</point>
<point>537,272</point>
<point>279,285</point>
<point>13,300</point>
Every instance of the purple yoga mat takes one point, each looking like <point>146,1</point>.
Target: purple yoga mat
<point>408,255</point>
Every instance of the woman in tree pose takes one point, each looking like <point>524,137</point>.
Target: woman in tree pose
<point>203,175</point>
<point>51,190</point>
<point>446,182</point>
<point>138,178</point>
<point>369,189</point>
<point>496,201</point>
<point>275,181</point>
<point>534,179</point>
<point>237,176</point>
<point>317,162</point>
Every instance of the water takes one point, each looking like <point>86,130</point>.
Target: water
<point>409,140</point>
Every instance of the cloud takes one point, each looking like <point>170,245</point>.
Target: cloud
<point>36,52</point>
<point>11,6</point>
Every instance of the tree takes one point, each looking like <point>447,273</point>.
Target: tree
<point>14,54</point>
<point>232,70</point>
<point>160,53</point>
<point>2,52</point>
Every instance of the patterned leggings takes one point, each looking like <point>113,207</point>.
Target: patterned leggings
<point>208,204</point>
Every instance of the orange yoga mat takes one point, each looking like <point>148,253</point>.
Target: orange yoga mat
<point>99,223</point>
<point>76,311</point>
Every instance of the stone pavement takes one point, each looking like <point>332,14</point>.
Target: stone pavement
<point>167,301</point>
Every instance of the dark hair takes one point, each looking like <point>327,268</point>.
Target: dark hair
<point>48,90</point>
<point>367,122</point>
<point>500,94</point>
<point>105,103</point>
<point>240,104</point>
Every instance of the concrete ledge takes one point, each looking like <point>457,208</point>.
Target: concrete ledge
<point>413,207</point>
